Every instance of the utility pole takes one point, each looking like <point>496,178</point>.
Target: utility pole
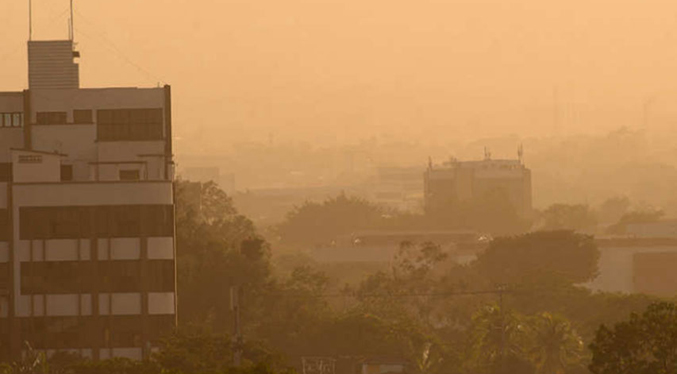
<point>237,332</point>
<point>500,305</point>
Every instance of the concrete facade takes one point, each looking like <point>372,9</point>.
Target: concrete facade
<point>87,242</point>
<point>469,181</point>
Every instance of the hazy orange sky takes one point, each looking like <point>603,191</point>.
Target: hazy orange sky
<point>336,70</point>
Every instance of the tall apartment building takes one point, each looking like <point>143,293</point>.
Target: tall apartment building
<point>467,181</point>
<point>86,213</point>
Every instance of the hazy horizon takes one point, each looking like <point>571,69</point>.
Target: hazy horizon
<point>337,71</point>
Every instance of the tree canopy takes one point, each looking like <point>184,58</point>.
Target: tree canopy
<point>644,344</point>
<point>562,255</point>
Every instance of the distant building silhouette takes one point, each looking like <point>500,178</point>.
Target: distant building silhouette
<point>86,214</point>
<point>468,181</point>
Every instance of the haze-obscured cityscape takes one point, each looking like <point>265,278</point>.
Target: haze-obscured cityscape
<point>338,187</point>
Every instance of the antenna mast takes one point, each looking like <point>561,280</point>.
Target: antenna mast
<point>72,29</point>
<point>30,20</point>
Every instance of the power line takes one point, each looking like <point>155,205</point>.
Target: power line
<point>112,47</point>
<point>399,295</point>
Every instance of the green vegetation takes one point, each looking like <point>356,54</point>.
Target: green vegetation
<point>644,344</point>
<point>517,309</point>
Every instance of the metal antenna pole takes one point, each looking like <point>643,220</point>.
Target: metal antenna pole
<point>72,31</point>
<point>30,20</point>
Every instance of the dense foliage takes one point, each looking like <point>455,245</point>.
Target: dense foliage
<point>644,344</point>
<point>544,255</point>
<point>517,309</point>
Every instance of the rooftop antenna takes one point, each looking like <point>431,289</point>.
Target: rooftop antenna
<point>30,20</point>
<point>520,153</point>
<point>71,30</point>
<point>487,154</point>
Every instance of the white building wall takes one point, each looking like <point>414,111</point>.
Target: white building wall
<point>82,194</point>
<point>129,151</point>
<point>77,142</point>
<point>161,303</point>
<point>125,249</point>
<point>9,138</point>
<point>96,98</point>
<point>161,248</point>
<point>46,170</point>
<point>616,267</point>
<point>120,304</point>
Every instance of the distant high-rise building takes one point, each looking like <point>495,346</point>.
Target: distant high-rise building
<point>469,181</point>
<point>87,243</point>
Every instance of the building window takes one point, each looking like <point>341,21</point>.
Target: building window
<point>158,220</point>
<point>51,118</point>
<point>120,276</point>
<point>115,221</point>
<point>66,173</point>
<point>129,124</point>
<point>83,116</point>
<point>160,275</point>
<point>30,159</point>
<point>126,332</point>
<point>17,119</point>
<point>5,171</point>
<point>4,278</point>
<point>4,225</point>
<point>130,175</point>
<point>58,277</point>
<point>11,119</point>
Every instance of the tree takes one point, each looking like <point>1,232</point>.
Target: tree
<point>498,341</point>
<point>196,350</point>
<point>216,248</point>
<point>576,217</point>
<point>555,344</point>
<point>612,209</point>
<point>314,224</point>
<point>644,344</point>
<point>561,255</point>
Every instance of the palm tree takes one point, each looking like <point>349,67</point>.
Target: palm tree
<point>555,344</point>
<point>496,337</point>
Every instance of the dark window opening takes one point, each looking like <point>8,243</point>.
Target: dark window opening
<point>5,171</point>
<point>73,277</point>
<point>116,221</point>
<point>129,124</point>
<point>51,118</point>
<point>66,172</point>
<point>62,277</point>
<point>15,119</point>
<point>4,278</point>
<point>160,275</point>
<point>83,116</point>
<point>120,276</point>
<point>130,175</point>
<point>4,225</point>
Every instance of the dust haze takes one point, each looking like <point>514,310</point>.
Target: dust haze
<point>436,183</point>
